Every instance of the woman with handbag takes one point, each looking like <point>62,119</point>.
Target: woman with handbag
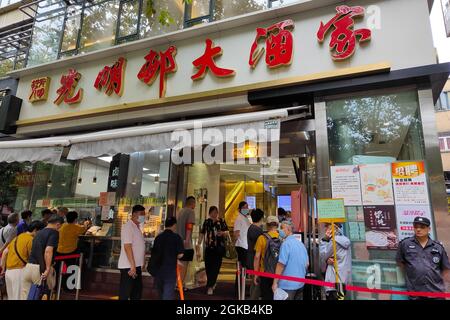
<point>15,258</point>
<point>214,231</point>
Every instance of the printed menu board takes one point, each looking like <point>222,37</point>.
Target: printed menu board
<point>376,184</point>
<point>405,218</point>
<point>410,183</point>
<point>380,222</point>
<point>345,184</point>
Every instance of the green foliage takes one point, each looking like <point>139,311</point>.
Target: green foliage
<point>164,18</point>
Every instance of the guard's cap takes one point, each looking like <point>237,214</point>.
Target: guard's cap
<point>422,220</point>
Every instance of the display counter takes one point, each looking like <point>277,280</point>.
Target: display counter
<point>103,251</point>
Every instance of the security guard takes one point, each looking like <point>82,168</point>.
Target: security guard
<point>423,260</point>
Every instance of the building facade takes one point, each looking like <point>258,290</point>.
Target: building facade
<point>279,103</point>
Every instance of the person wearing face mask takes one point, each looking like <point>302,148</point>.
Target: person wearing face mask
<point>293,261</point>
<point>132,256</point>
<point>241,225</point>
<point>343,255</point>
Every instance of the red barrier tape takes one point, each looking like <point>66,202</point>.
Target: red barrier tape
<point>69,256</point>
<point>349,287</point>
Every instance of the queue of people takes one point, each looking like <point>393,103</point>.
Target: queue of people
<point>28,249</point>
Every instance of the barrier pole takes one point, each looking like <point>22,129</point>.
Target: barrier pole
<point>180,283</point>
<point>239,279</point>
<point>244,277</point>
<point>78,283</point>
<point>336,270</point>
<point>60,280</point>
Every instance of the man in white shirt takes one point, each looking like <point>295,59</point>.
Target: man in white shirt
<point>241,225</point>
<point>132,256</point>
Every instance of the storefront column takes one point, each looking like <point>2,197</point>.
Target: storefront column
<point>322,156</point>
<point>322,166</point>
<point>434,165</point>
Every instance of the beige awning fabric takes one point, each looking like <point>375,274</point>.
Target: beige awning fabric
<point>33,150</point>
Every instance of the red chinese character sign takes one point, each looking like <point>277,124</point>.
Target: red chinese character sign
<point>68,86</point>
<point>279,45</point>
<point>39,89</point>
<point>111,78</point>
<point>206,61</point>
<point>164,62</point>
<point>343,38</point>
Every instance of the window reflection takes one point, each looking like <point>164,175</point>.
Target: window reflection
<point>229,8</point>
<point>45,44</point>
<point>99,26</point>
<point>385,125</point>
<point>129,18</point>
<point>71,29</point>
<point>150,26</point>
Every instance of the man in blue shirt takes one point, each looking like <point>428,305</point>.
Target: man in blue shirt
<point>26,220</point>
<point>293,261</point>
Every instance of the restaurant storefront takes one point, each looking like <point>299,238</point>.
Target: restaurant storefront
<point>278,108</point>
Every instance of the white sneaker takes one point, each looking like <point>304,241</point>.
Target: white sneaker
<point>210,291</point>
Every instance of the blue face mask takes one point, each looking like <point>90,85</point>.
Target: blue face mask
<point>245,211</point>
<point>282,233</point>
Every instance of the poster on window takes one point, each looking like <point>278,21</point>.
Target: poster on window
<point>381,227</point>
<point>345,184</point>
<point>410,183</point>
<point>376,184</point>
<point>406,216</point>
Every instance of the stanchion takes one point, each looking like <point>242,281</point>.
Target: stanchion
<point>60,280</point>
<point>244,277</point>
<point>239,279</point>
<point>78,284</point>
<point>180,283</point>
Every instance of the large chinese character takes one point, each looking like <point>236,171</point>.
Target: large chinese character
<point>164,62</point>
<point>279,45</point>
<point>39,89</point>
<point>68,84</point>
<point>343,38</point>
<point>206,61</point>
<point>111,78</point>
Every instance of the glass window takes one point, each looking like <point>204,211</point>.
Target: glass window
<point>371,130</point>
<point>71,29</point>
<point>150,25</point>
<point>129,18</point>
<point>45,42</point>
<point>99,26</point>
<point>376,126</point>
<point>6,65</point>
<point>199,8</point>
<point>230,8</point>
<point>441,144</point>
<point>279,3</point>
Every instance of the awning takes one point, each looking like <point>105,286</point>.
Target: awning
<point>261,126</point>
<point>33,150</point>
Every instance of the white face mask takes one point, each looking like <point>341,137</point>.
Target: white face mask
<point>141,219</point>
<point>245,211</point>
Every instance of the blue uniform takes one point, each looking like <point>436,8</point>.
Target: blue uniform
<point>423,265</point>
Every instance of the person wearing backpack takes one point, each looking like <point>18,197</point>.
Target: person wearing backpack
<point>267,249</point>
<point>15,258</point>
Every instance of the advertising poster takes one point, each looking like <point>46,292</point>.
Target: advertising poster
<point>410,183</point>
<point>376,184</point>
<point>345,184</point>
<point>331,210</point>
<point>381,227</point>
<point>405,218</point>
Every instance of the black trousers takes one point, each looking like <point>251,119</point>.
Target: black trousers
<point>130,289</point>
<point>266,288</point>
<point>242,258</point>
<point>213,262</point>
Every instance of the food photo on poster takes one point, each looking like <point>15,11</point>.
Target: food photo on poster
<point>376,184</point>
<point>381,227</point>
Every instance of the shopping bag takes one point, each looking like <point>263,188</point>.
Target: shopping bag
<point>230,250</point>
<point>39,292</point>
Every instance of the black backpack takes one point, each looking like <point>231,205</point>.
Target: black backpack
<point>271,254</point>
